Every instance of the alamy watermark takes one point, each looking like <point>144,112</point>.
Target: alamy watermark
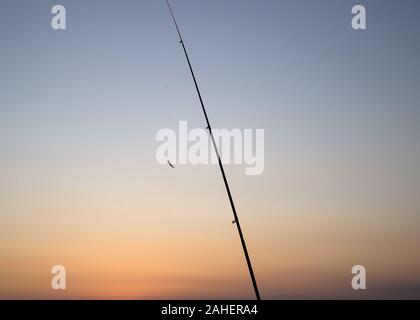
<point>195,147</point>
<point>358,282</point>
<point>58,21</point>
<point>358,21</point>
<point>58,282</point>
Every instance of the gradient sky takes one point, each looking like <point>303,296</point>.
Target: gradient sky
<point>80,186</point>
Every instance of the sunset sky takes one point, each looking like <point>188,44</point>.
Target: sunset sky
<point>80,185</point>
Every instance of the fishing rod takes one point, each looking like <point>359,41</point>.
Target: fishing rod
<point>235,215</point>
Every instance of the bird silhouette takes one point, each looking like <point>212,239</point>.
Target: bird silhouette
<point>170,164</point>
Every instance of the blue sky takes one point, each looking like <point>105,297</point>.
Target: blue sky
<point>340,110</point>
